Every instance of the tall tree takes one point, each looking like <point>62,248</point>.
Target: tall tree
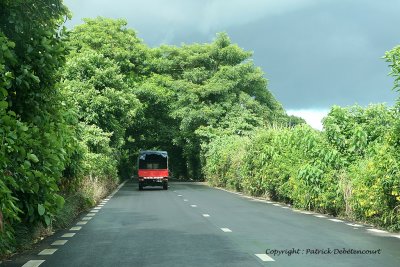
<point>103,68</point>
<point>218,90</point>
<point>37,138</point>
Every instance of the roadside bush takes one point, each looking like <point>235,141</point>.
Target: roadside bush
<point>224,161</point>
<point>375,190</point>
<point>351,168</point>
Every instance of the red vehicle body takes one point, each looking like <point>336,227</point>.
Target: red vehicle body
<point>153,169</point>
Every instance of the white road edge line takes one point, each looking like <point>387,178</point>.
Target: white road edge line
<point>117,189</point>
<point>264,257</point>
<point>377,231</point>
<point>68,235</point>
<point>59,242</point>
<point>307,212</point>
<point>335,220</point>
<point>226,230</point>
<point>47,251</point>
<point>354,225</point>
<point>33,263</point>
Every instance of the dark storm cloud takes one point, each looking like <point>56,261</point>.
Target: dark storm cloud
<point>315,53</point>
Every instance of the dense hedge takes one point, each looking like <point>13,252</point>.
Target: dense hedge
<point>36,141</point>
<point>351,168</point>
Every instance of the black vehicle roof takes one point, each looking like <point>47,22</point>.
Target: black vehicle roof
<point>157,152</point>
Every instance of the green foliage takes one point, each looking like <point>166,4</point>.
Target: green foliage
<point>350,169</point>
<point>36,137</point>
<point>215,90</point>
<point>111,39</point>
<point>353,130</point>
<point>393,57</point>
<point>375,191</point>
<point>104,66</point>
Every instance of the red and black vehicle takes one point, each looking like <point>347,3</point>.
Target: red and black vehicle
<point>153,169</point>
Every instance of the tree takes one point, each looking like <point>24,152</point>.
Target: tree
<point>217,90</point>
<point>100,77</point>
<point>37,138</point>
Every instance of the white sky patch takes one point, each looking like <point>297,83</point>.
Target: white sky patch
<point>312,116</point>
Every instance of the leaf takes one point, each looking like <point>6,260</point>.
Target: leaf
<point>41,209</point>
<point>3,104</point>
<point>47,220</point>
<point>59,201</point>
<point>27,164</point>
<point>32,157</point>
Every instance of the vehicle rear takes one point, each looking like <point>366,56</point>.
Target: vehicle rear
<point>153,169</point>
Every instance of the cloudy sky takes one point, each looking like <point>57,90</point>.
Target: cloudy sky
<point>315,53</point>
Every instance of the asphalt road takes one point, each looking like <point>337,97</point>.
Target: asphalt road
<point>195,225</point>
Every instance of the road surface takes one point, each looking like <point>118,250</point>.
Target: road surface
<point>195,225</point>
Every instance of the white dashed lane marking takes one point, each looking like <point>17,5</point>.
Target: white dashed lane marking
<point>377,231</point>
<point>87,218</point>
<point>226,230</point>
<point>307,212</point>
<point>94,211</point>
<point>59,242</point>
<point>185,200</point>
<point>90,214</point>
<point>320,216</point>
<point>335,220</point>
<point>33,263</point>
<point>76,228</point>
<point>193,206</point>
<point>354,225</point>
<point>97,208</point>
<point>47,251</point>
<point>81,223</point>
<point>206,215</point>
<point>179,195</point>
<point>264,257</point>
<point>68,235</point>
